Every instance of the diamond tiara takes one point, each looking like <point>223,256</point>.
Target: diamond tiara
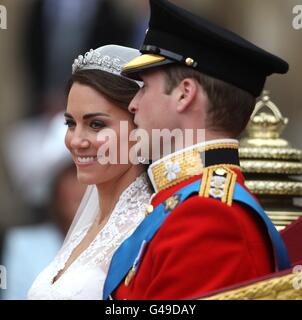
<point>95,60</point>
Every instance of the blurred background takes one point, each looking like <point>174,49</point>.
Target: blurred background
<point>39,193</point>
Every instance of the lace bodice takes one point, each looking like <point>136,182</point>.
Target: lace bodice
<point>84,278</point>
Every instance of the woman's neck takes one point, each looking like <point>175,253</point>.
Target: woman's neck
<point>110,191</point>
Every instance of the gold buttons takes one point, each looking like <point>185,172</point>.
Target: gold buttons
<point>220,172</point>
<point>189,62</point>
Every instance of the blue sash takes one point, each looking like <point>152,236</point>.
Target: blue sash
<point>125,256</point>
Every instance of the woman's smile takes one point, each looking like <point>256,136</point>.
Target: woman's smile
<point>85,160</point>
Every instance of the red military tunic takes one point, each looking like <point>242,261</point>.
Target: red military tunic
<point>203,245</point>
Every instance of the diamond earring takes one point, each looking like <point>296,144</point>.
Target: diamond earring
<point>142,160</point>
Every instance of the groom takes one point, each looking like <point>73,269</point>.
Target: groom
<point>204,230</point>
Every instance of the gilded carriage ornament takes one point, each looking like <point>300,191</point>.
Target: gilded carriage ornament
<point>270,164</point>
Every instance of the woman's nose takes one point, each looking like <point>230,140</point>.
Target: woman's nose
<point>79,141</point>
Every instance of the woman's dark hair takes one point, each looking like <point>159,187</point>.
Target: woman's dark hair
<point>116,88</point>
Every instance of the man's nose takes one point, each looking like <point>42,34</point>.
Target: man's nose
<point>133,104</point>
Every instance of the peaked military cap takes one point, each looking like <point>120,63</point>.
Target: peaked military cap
<point>177,36</point>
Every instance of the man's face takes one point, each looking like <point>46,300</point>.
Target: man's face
<point>152,107</point>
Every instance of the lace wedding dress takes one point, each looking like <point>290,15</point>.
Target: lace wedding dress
<point>85,277</point>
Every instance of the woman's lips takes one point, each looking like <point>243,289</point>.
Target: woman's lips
<point>84,161</point>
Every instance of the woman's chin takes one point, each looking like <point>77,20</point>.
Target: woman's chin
<point>86,178</point>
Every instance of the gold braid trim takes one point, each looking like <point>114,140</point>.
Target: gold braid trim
<point>277,288</point>
<point>190,164</point>
<point>205,182</point>
<point>220,146</point>
<point>229,187</point>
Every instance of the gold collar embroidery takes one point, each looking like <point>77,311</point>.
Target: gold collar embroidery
<point>185,164</point>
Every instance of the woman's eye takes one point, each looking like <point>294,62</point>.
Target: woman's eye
<point>97,124</point>
<point>69,123</point>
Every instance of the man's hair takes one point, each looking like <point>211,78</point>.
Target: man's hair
<point>229,107</point>
<point>116,88</point>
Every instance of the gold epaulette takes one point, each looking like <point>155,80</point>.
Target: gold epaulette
<point>218,182</point>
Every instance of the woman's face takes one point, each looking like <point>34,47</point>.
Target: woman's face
<point>88,116</point>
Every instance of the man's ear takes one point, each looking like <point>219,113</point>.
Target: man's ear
<point>186,93</point>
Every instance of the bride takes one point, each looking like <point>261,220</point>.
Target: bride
<point>117,194</point>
